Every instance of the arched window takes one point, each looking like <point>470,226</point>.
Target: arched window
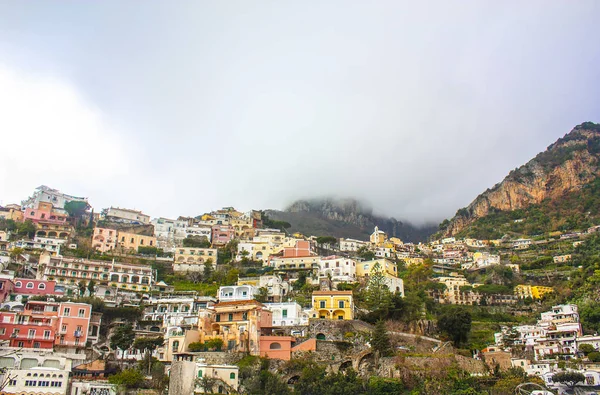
<point>18,284</point>
<point>41,286</point>
<point>232,375</point>
<point>275,346</point>
<point>29,285</point>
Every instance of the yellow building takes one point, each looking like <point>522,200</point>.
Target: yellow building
<point>396,241</point>
<point>378,237</point>
<point>363,269</point>
<point>131,241</point>
<point>192,259</point>
<point>333,305</point>
<point>532,291</point>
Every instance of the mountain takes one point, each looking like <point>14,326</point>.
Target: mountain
<point>559,189</point>
<point>346,218</point>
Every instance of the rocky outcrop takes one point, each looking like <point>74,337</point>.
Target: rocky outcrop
<point>567,165</point>
<point>347,218</point>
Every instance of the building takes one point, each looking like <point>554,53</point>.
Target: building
<point>532,291</point>
<point>222,234</point>
<point>385,267</point>
<point>127,216</point>
<point>237,323</point>
<point>132,241</point>
<point>104,239</point>
<point>236,292</point>
<point>45,213</point>
<point>276,288</point>
<point>47,325</point>
<point>276,347</point>
<point>339,269</point>
<point>199,231</point>
<point>485,259</point>
<point>521,244</point>
<point>456,290</point>
<point>44,194</point>
<point>37,381</point>
<point>333,305</point>
<point>189,259</point>
<point>351,245</point>
<point>562,258</point>
<point>108,276</point>
<point>189,375</point>
<point>13,213</point>
<point>287,314</point>
<point>378,237</point>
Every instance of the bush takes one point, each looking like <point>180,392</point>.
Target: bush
<point>129,378</point>
<point>594,356</point>
<point>586,349</point>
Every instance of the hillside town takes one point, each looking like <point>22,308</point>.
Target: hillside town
<point>96,300</point>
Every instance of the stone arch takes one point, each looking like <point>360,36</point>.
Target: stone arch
<point>41,233</point>
<point>345,365</point>
<point>135,279</point>
<point>52,234</point>
<point>63,235</point>
<point>321,336</point>
<point>114,277</point>
<point>124,278</point>
<point>293,379</point>
<point>365,357</point>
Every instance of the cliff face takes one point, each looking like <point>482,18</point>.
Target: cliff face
<point>347,218</point>
<point>566,166</point>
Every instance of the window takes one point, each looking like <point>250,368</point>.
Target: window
<point>322,304</point>
<point>218,317</point>
<point>36,344</point>
<point>30,383</point>
<point>284,313</point>
<point>67,311</point>
<point>41,286</point>
<point>18,284</point>
<point>20,344</point>
<point>56,384</point>
<point>46,334</point>
<point>31,333</point>
<point>341,304</point>
<point>175,345</point>
<point>12,382</point>
<point>230,317</point>
<point>232,376</point>
<point>199,373</point>
<point>81,313</point>
<point>64,328</point>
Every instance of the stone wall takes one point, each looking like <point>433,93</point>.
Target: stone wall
<point>182,378</point>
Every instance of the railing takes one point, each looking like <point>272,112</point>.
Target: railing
<point>28,337</point>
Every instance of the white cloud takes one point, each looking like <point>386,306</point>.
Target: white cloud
<point>52,136</point>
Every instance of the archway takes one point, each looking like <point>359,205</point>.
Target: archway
<point>321,336</point>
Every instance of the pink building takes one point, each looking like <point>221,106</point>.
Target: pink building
<point>104,239</point>
<point>47,324</point>
<point>301,249</point>
<point>276,347</point>
<point>27,286</point>
<point>222,234</point>
<point>45,213</point>
<point>6,288</point>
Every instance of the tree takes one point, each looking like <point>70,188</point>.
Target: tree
<point>91,287</point>
<point>326,240</point>
<point>215,344</point>
<point>594,356</point>
<point>262,295</point>
<point>456,323</point>
<point>570,379</point>
<point>148,345</point>
<point>208,269</point>
<point>82,287</point>
<point>380,341</point>
<point>15,253</point>
<point>128,378</point>
<point>586,349</point>
<point>122,338</point>
<point>365,253</point>
<point>196,242</point>
<point>76,209</point>
<point>379,296</point>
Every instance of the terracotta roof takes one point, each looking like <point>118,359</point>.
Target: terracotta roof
<point>332,293</point>
<point>97,365</point>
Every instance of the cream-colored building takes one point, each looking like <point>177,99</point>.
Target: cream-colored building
<point>389,269</point>
<point>132,241</point>
<point>191,259</point>
<point>378,237</point>
<point>351,245</point>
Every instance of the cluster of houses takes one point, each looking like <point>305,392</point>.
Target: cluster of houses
<point>542,349</point>
<point>44,341</point>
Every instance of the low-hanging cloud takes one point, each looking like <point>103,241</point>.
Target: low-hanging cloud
<point>414,108</point>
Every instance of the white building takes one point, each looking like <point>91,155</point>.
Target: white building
<point>86,387</point>
<point>351,245</point>
<point>127,216</point>
<point>287,314</point>
<point>230,293</point>
<point>339,269</point>
<point>49,195</point>
<point>276,287</point>
<point>295,263</point>
<point>38,380</point>
<point>199,231</point>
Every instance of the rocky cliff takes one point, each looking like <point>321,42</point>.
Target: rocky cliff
<point>347,218</point>
<point>566,166</point>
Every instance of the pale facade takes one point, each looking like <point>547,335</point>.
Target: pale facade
<point>287,314</point>
<point>104,239</point>
<point>339,269</point>
<point>127,216</point>
<point>132,241</point>
<point>351,245</point>
<point>276,287</point>
<point>191,259</point>
<point>236,292</point>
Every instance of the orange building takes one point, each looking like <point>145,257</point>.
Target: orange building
<point>276,347</point>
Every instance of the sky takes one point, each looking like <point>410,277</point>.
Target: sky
<point>179,108</point>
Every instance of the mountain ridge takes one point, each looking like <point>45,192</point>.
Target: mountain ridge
<point>566,166</point>
<point>345,217</point>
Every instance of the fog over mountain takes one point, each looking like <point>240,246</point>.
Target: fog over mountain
<point>177,109</point>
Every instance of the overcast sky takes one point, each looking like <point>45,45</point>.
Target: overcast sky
<point>177,108</point>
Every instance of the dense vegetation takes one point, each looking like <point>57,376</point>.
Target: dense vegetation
<point>576,210</point>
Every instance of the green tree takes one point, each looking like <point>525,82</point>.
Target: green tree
<point>586,349</point>
<point>122,338</point>
<point>262,295</point>
<point>384,386</point>
<point>91,287</point>
<point>26,228</point>
<point>570,379</point>
<point>196,242</point>
<point>208,269</point>
<point>129,378</point>
<point>380,341</point>
<point>215,344</point>
<point>365,253</point>
<point>456,323</point>
<point>82,286</point>
<point>594,356</point>
<point>147,345</point>
<point>326,240</point>
<point>379,296</point>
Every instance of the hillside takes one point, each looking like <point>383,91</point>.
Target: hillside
<point>556,190</point>
<point>346,218</point>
